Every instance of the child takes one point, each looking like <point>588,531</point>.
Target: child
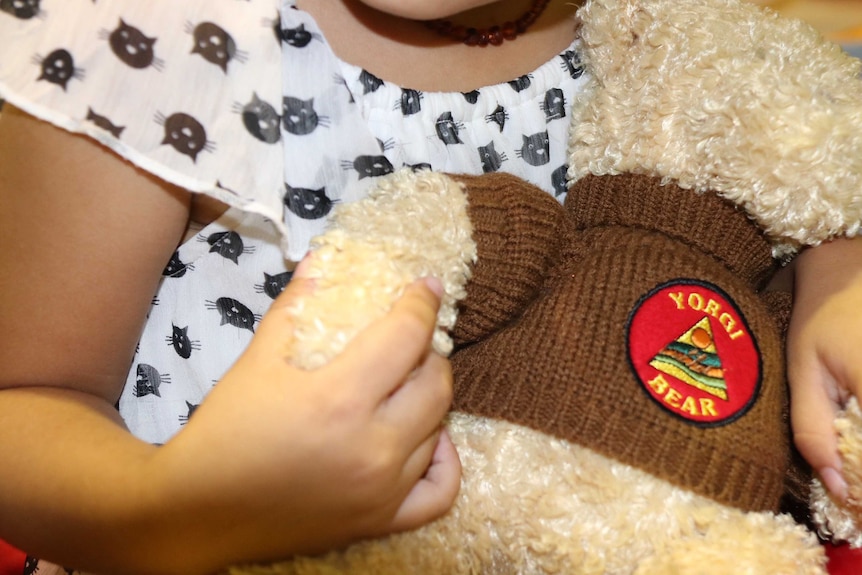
<point>274,461</point>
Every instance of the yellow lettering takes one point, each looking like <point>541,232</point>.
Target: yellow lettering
<point>727,321</point>
<point>672,397</point>
<point>690,406</point>
<point>659,384</point>
<point>677,298</point>
<point>712,308</point>
<point>737,334</point>
<point>695,301</point>
<point>707,407</point>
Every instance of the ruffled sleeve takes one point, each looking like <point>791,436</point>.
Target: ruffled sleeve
<point>188,90</point>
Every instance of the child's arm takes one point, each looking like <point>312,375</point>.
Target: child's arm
<point>277,461</point>
<point>824,352</point>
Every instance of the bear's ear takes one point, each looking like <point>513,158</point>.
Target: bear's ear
<point>724,96</point>
<point>516,227</point>
<point>704,220</point>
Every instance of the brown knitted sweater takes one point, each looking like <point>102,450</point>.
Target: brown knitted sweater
<point>629,322</point>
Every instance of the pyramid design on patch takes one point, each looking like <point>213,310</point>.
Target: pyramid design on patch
<point>693,359</point>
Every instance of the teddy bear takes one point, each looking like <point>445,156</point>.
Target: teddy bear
<point>620,402</point>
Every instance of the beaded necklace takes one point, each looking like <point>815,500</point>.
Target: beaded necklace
<point>494,35</point>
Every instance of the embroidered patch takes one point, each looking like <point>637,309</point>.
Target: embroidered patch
<point>691,349</point>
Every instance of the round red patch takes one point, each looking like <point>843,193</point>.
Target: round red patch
<point>692,351</point>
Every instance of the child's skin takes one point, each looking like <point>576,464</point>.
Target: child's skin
<point>320,459</point>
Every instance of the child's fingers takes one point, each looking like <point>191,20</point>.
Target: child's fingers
<point>418,406</point>
<point>383,355</point>
<point>435,491</point>
<point>812,411</point>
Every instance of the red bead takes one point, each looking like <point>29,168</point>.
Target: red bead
<point>458,33</point>
<point>510,32</point>
<point>495,36</point>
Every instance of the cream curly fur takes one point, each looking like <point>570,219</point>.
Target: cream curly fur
<point>840,521</point>
<point>412,225</point>
<point>724,96</point>
<point>532,504</point>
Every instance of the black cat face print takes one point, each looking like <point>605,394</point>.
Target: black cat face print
<point>228,245</point>
<point>176,268</point>
<point>260,119</point>
<point>472,96</point>
<point>447,129</point>
<point>297,37</point>
<point>370,166</point>
<point>559,180</point>
<point>410,102</point>
<point>58,68</point>
<point>148,380</point>
<point>491,159</point>
<point>370,82</point>
<point>23,9</point>
<point>215,45</point>
<point>307,203</point>
<point>234,313</point>
<point>554,105</point>
<point>299,116</point>
<point>522,83</point>
<point>572,64</point>
<point>274,284</point>
<point>180,341</point>
<point>535,149</point>
<point>191,407</point>
<point>133,48</point>
<point>498,116</point>
<point>185,134</point>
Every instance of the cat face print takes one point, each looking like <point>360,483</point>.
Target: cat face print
<point>261,120</point>
<point>184,134</point>
<point>559,182</point>
<point>554,104</point>
<point>131,46</point>
<point>491,159</point>
<point>23,9</point>
<point>180,341</point>
<point>370,82</point>
<point>215,45</point>
<point>299,116</point>
<point>297,37</point>
<point>498,116</point>
<point>234,313</point>
<point>190,407</point>
<point>274,284</point>
<point>447,129</point>
<point>228,245</point>
<point>58,68</point>
<point>535,149</point>
<point>572,63</point>
<point>176,268</point>
<point>410,102</point>
<point>370,166</point>
<point>148,380</point>
<point>307,203</point>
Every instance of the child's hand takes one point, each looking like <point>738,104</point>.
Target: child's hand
<point>285,461</point>
<point>824,351</point>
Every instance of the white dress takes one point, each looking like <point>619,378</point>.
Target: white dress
<point>245,101</point>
